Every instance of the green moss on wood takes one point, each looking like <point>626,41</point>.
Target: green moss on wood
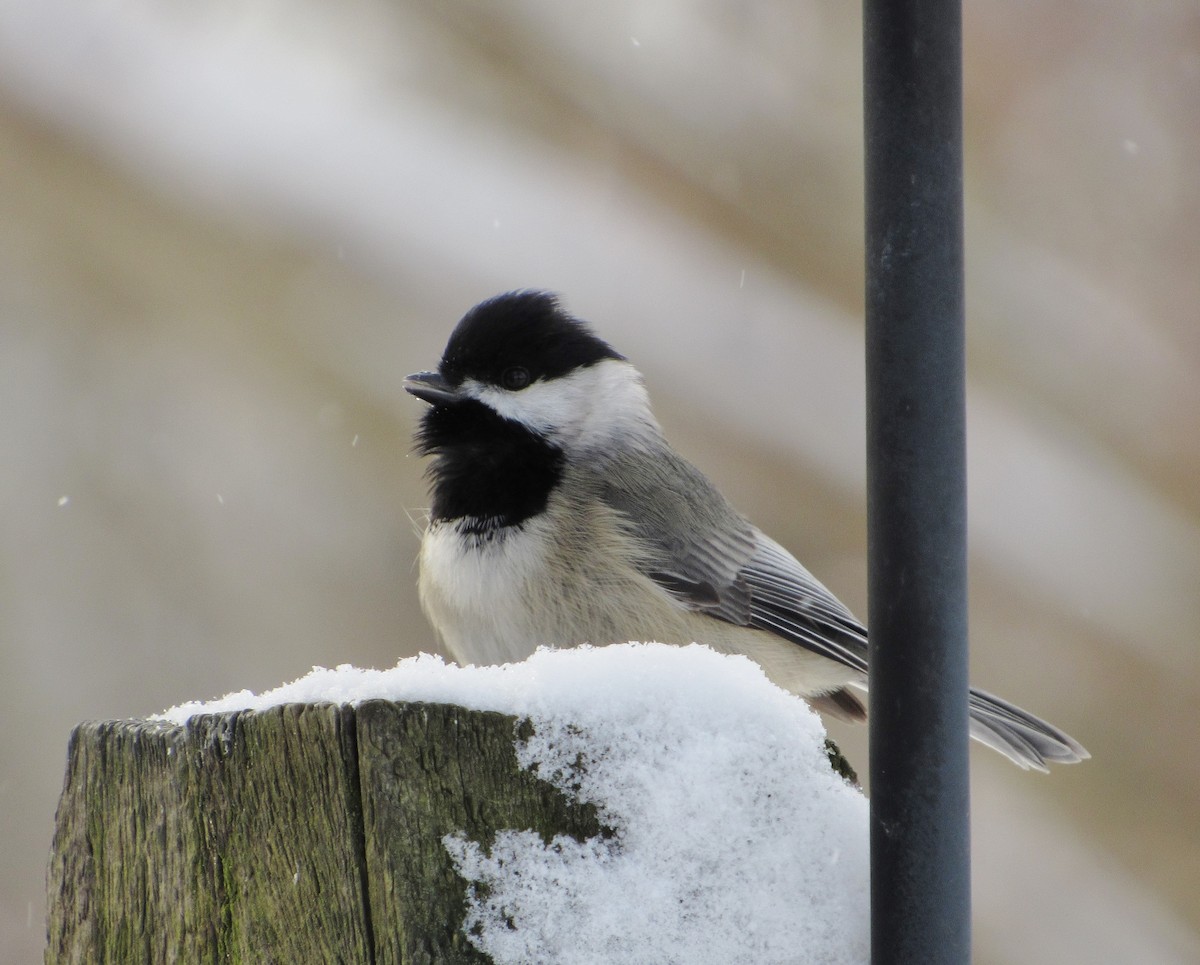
<point>304,833</point>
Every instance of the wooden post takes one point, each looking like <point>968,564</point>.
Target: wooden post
<point>303,833</point>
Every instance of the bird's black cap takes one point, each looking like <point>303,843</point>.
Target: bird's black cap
<point>521,328</point>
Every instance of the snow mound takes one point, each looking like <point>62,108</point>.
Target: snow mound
<point>735,841</point>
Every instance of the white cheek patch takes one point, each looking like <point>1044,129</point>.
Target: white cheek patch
<point>587,407</point>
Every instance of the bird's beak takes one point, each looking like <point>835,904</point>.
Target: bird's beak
<point>432,388</point>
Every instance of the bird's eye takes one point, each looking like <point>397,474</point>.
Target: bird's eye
<point>515,377</point>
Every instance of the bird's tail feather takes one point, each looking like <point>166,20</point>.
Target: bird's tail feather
<point>1024,739</point>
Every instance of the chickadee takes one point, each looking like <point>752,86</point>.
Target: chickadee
<point>561,516</point>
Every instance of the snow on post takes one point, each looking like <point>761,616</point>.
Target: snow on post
<point>626,804</point>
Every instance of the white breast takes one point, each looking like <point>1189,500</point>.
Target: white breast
<point>565,577</point>
<point>474,587</point>
<point>496,600</point>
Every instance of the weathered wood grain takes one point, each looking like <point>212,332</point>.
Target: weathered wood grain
<point>304,833</point>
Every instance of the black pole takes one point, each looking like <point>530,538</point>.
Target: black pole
<point>916,483</point>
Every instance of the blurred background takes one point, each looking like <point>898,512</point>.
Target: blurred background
<point>227,230</point>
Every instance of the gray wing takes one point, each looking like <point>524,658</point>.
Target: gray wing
<point>708,557</point>
<point>789,601</point>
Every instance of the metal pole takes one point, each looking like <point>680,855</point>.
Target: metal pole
<point>916,482</point>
